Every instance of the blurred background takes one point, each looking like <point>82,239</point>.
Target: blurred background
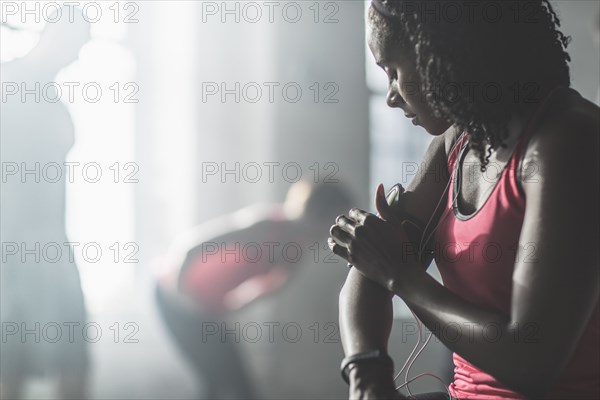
<point>134,131</point>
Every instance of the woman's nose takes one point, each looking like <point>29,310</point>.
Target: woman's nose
<point>394,100</point>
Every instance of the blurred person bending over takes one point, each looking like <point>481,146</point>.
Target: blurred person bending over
<point>232,261</point>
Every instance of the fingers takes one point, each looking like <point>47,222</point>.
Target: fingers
<point>358,215</point>
<point>341,237</point>
<point>346,229</point>
<point>383,208</point>
<point>343,230</point>
<point>350,232</point>
<point>339,250</point>
<point>344,234</point>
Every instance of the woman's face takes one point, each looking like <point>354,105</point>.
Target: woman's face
<point>404,89</point>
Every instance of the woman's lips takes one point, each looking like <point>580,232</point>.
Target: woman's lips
<point>413,118</point>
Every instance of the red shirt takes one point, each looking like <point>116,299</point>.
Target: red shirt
<point>224,266</point>
<point>476,259</point>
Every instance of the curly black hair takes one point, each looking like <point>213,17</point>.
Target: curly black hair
<point>478,63</point>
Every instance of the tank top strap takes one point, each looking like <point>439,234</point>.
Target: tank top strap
<point>519,151</point>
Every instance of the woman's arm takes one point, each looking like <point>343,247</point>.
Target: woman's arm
<point>365,308</point>
<point>554,294</point>
<point>365,315</point>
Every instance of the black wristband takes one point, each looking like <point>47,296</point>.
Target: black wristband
<point>376,356</point>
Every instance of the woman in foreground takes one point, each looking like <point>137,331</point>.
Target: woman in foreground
<point>509,191</point>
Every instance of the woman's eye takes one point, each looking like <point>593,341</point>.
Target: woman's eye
<point>392,74</point>
<point>391,77</point>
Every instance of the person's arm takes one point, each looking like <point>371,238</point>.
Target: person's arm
<point>365,308</point>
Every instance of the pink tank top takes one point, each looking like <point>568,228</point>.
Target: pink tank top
<point>476,255</point>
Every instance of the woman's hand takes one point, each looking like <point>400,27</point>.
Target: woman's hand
<point>376,245</point>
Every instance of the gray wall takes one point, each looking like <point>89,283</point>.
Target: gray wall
<point>578,18</point>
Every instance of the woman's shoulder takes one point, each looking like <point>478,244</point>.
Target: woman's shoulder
<point>566,133</point>
<point>579,111</point>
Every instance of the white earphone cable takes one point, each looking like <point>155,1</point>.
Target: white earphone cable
<point>411,360</point>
